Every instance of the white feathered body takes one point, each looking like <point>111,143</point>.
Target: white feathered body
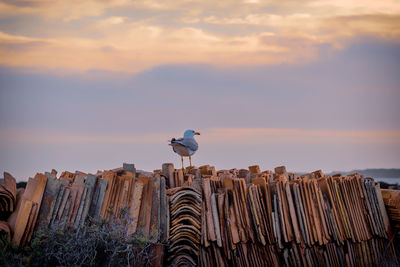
<point>185,147</point>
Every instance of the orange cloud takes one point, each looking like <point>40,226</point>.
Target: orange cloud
<point>191,33</point>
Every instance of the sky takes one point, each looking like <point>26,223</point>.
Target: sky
<point>87,85</point>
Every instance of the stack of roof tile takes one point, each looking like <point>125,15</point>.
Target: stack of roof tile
<point>22,221</point>
<point>391,199</point>
<point>185,226</point>
<point>67,201</point>
<point>8,202</point>
<point>309,220</point>
<point>228,237</point>
<point>177,177</point>
<point>8,193</point>
<point>114,194</point>
<point>207,171</point>
<point>209,218</point>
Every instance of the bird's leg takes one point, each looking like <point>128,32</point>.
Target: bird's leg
<point>182,163</point>
<point>190,160</point>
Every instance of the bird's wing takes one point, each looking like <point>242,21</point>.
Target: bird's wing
<point>190,143</point>
<point>175,141</point>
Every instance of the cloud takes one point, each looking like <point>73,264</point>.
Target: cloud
<point>66,10</point>
<point>221,136</point>
<point>127,36</point>
<point>77,9</point>
<point>141,47</point>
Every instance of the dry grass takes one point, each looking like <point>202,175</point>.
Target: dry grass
<point>100,243</point>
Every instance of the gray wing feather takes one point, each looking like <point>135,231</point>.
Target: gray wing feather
<point>187,142</point>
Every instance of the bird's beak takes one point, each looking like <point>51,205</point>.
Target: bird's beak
<point>197,133</point>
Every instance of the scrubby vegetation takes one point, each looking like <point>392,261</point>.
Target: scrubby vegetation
<point>100,243</point>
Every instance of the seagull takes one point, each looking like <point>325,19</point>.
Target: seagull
<point>185,146</point>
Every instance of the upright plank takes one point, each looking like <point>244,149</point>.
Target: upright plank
<point>36,196</point>
<point>102,192</point>
<point>163,211</point>
<point>145,209</point>
<point>49,200</point>
<point>22,221</point>
<point>168,172</point>
<point>110,177</point>
<point>135,206</point>
<point>216,220</point>
<point>89,186</point>
<point>208,212</point>
<point>80,209</point>
<point>155,210</point>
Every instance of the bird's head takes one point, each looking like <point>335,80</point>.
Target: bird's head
<point>190,134</point>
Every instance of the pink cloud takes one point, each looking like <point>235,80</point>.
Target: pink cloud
<point>210,136</point>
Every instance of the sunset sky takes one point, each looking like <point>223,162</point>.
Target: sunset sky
<point>87,85</point>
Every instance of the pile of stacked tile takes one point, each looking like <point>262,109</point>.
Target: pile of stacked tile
<point>207,171</point>
<point>8,201</point>
<point>8,193</point>
<point>68,201</point>
<point>184,227</point>
<point>285,219</point>
<point>216,218</point>
<point>22,220</point>
<point>391,199</point>
<point>228,237</point>
<point>176,177</point>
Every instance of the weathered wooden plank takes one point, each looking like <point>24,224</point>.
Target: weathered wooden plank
<point>90,183</point>
<point>64,215</point>
<point>22,221</point>
<point>49,200</point>
<point>382,210</point>
<point>216,220</point>
<point>12,220</point>
<point>95,198</point>
<point>129,167</point>
<point>168,172</point>
<point>102,192</point>
<point>110,177</point>
<point>145,209</point>
<point>80,187</point>
<point>30,225</point>
<point>63,203</point>
<point>209,217</point>
<point>80,209</point>
<point>155,210</point>
<point>36,197</point>
<point>163,211</point>
<point>60,197</point>
<point>292,212</point>
<point>135,206</point>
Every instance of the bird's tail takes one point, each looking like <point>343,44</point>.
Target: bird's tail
<point>171,141</point>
